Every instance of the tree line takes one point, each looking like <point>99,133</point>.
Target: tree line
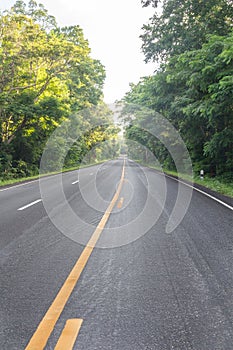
<point>47,77</point>
<point>191,41</point>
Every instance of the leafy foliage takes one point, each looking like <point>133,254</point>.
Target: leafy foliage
<point>46,75</point>
<point>193,86</point>
<point>184,25</point>
<point>146,3</point>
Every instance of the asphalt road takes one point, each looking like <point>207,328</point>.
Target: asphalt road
<point>141,288</point>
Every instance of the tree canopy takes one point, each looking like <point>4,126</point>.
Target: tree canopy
<point>193,86</point>
<point>184,25</point>
<point>47,74</point>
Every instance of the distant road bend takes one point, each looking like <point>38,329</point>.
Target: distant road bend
<point>113,280</point>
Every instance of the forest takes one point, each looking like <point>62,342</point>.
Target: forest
<point>47,79</point>
<point>191,45</point>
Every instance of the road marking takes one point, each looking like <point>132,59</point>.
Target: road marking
<point>20,185</point>
<point>74,183</point>
<point>46,326</point>
<point>203,192</point>
<point>41,178</point>
<point>120,203</point>
<point>36,180</point>
<point>30,204</point>
<point>91,174</point>
<point>31,182</point>
<point>194,188</point>
<point>69,335</point>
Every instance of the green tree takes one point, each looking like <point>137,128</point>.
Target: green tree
<point>184,25</point>
<point>205,103</point>
<point>194,92</point>
<point>46,74</point>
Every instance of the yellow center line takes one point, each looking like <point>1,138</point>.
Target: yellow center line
<point>69,335</point>
<point>46,326</point>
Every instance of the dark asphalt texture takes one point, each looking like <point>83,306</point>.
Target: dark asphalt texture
<point>159,292</point>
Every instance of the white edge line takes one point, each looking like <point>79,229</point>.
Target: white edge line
<point>30,204</point>
<point>36,180</point>
<point>39,179</point>
<point>197,189</point>
<point>24,184</point>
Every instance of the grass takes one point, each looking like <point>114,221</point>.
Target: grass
<point>215,184</point>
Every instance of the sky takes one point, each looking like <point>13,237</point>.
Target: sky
<point>112,28</point>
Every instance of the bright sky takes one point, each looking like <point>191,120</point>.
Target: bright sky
<point>112,28</point>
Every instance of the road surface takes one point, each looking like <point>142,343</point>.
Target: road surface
<point>136,290</point>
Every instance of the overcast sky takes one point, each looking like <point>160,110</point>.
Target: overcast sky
<point>112,28</point>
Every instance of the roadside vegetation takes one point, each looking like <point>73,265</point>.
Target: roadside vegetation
<point>48,78</point>
<point>191,44</point>
<point>216,184</point>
